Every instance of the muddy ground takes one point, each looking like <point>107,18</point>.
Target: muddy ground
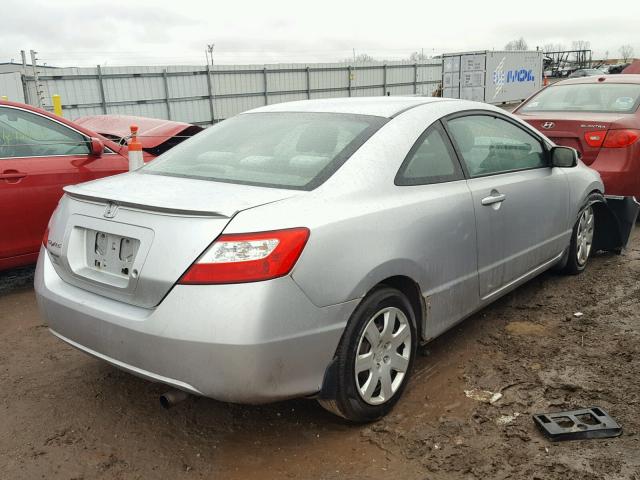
<point>64,415</point>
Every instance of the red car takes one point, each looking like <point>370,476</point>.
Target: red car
<point>599,117</point>
<point>40,153</point>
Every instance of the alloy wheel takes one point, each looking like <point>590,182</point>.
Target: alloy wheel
<point>383,354</point>
<point>584,235</point>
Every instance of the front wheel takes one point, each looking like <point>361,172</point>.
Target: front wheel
<point>374,357</point>
<point>581,242</point>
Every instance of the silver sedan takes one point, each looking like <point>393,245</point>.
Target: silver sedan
<point>308,248</point>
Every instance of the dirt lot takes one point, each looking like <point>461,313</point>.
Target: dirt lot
<point>66,416</point>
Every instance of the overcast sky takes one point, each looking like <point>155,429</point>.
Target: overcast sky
<point>143,32</point>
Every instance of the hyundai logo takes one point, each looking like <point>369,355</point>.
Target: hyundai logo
<point>111,210</point>
<point>548,125</point>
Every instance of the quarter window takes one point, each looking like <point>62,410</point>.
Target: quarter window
<point>491,145</point>
<point>25,134</point>
<point>431,160</point>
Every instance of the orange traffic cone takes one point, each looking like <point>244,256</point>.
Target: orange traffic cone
<point>135,150</point>
<point>545,82</point>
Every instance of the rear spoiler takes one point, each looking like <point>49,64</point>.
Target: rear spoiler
<point>82,195</point>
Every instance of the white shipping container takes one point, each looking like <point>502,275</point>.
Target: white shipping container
<point>451,79</point>
<point>512,76</point>
<point>503,76</point>
<point>472,79</point>
<point>470,63</point>
<point>451,64</point>
<point>472,93</point>
<point>451,92</point>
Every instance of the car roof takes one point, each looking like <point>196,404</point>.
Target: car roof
<point>620,78</point>
<point>376,106</point>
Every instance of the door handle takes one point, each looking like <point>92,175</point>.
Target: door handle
<point>494,198</point>
<point>12,176</point>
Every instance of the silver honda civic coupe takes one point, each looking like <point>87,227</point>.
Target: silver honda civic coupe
<point>308,248</point>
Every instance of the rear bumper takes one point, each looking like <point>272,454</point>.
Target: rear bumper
<point>245,343</point>
<point>619,169</point>
<point>18,261</point>
<point>623,184</point>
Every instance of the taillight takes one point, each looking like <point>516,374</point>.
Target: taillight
<point>594,139</point>
<point>45,237</point>
<point>248,257</point>
<point>621,138</point>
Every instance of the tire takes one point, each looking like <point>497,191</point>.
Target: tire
<point>581,244</point>
<point>384,355</point>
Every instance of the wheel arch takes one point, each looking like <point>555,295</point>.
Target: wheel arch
<point>411,289</point>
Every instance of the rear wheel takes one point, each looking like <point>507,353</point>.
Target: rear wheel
<point>374,357</point>
<point>581,242</point>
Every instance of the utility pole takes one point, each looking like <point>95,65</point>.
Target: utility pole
<point>354,55</point>
<point>24,61</point>
<point>36,79</point>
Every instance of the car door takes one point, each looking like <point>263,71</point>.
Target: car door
<point>442,221</point>
<point>521,203</point>
<point>38,156</point>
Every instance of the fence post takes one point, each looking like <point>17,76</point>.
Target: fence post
<point>384,80</point>
<point>266,90</point>
<point>415,78</point>
<point>57,104</point>
<point>166,92</point>
<point>103,100</point>
<point>210,87</point>
<point>349,73</point>
<point>36,79</point>
<point>308,84</point>
<point>25,89</point>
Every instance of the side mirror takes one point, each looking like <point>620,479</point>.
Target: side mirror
<point>564,157</point>
<point>96,147</point>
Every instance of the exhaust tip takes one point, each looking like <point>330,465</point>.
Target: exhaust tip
<point>172,398</point>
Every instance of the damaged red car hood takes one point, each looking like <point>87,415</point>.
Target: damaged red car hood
<point>151,131</point>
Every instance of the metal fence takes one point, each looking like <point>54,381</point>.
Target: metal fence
<point>204,96</point>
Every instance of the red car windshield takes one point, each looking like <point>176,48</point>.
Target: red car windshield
<point>586,97</point>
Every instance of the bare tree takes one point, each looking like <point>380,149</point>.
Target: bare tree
<point>553,47</point>
<point>580,45</point>
<point>626,52</point>
<point>519,44</point>
<point>360,58</point>
<point>416,57</point>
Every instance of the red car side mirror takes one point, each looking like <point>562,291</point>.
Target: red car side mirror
<point>96,148</point>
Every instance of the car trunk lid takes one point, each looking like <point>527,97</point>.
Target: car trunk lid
<point>131,237</point>
<point>569,128</point>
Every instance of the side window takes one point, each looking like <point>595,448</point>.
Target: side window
<point>490,145</point>
<point>430,160</point>
<point>25,134</point>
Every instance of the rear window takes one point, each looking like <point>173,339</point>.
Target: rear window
<point>586,97</point>
<point>283,150</point>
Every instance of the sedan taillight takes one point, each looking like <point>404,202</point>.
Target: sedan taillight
<point>594,139</point>
<point>621,138</point>
<point>248,257</point>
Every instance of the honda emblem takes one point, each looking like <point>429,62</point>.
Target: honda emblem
<point>111,210</point>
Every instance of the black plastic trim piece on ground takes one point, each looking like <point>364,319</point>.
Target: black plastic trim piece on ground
<point>582,424</point>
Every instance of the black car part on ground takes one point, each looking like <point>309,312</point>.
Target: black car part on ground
<point>581,424</point>
<point>615,221</point>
